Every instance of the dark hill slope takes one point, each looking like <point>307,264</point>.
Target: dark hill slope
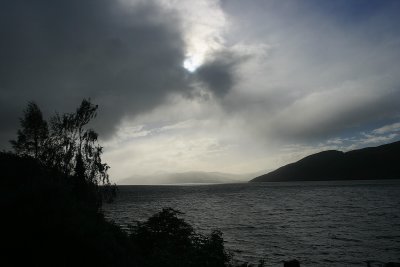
<point>382,162</point>
<point>44,223</point>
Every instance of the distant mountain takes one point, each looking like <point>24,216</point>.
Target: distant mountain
<point>382,162</point>
<point>186,177</point>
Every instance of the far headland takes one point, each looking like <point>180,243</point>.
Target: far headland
<point>371,163</point>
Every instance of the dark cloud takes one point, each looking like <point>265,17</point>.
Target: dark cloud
<point>218,74</point>
<point>338,120</point>
<point>127,59</point>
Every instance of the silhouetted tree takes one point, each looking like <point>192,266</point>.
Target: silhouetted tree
<point>69,146</point>
<point>33,133</point>
<point>74,149</point>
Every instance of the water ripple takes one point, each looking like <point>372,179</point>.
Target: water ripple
<point>320,224</point>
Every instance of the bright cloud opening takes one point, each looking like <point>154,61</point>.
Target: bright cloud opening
<point>192,63</point>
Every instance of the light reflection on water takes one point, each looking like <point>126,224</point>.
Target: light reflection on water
<point>318,223</point>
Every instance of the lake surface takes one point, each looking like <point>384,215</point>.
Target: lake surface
<point>319,223</point>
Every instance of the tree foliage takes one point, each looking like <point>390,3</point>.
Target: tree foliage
<point>67,146</point>
<point>74,148</point>
<point>33,133</point>
<point>165,239</point>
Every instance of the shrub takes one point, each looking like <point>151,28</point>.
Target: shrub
<point>165,239</point>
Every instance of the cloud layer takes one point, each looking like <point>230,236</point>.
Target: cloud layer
<point>126,56</point>
<point>56,53</point>
<point>266,81</point>
<point>323,70</point>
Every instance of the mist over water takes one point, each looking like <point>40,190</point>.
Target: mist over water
<point>318,223</point>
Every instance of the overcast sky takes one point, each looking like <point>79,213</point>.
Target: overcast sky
<point>230,86</point>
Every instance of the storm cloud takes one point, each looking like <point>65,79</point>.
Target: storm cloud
<point>218,74</point>
<point>125,57</point>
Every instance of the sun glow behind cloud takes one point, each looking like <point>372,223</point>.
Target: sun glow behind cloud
<point>203,23</point>
<point>191,63</point>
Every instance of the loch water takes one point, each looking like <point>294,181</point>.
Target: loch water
<point>336,223</point>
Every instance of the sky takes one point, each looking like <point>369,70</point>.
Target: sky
<point>228,86</point>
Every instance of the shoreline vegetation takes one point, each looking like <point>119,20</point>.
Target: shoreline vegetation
<point>52,189</point>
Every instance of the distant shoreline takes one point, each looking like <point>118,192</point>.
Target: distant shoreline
<point>358,181</point>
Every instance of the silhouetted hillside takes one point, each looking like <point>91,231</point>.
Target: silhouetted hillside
<point>380,162</point>
<point>46,223</point>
